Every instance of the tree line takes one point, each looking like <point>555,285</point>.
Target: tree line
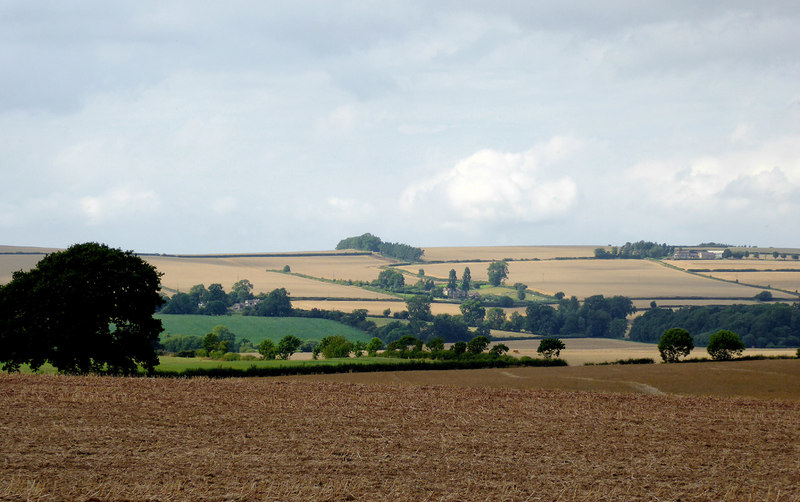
<point>636,250</point>
<point>761,325</point>
<point>369,242</point>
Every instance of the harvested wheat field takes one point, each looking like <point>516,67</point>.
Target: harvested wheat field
<point>80,438</point>
<point>502,252</point>
<point>788,281</point>
<point>582,278</point>
<point>180,274</point>
<point>753,264</point>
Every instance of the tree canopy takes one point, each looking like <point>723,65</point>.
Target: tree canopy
<point>498,272</point>
<point>674,344</point>
<point>369,242</point>
<point>86,309</point>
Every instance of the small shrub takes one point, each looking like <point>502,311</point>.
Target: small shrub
<point>231,356</point>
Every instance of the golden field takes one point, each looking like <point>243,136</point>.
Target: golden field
<point>765,264</point>
<point>789,281</point>
<point>582,278</point>
<point>511,252</point>
<point>443,436</point>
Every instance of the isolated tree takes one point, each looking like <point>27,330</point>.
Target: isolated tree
<point>466,280</point>
<point>452,279</point>
<point>287,346</point>
<point>724,345</point>
<point>390,279</point>
<point>477,345</point>
<point>86,309</point>
<point>498,272</point>
<point>764,296</point>
<point>550,347</point>
<point>675,343</point>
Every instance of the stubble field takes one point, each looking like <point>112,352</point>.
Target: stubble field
<point>100,438</point>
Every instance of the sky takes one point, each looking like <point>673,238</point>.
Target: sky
<point>260,126</point>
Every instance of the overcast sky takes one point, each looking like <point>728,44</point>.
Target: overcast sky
<point>244,126</point>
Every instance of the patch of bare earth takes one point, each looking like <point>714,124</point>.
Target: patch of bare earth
<point>76,438</point>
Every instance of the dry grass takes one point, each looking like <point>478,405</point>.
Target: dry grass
<point>73,438</point>
<point>10,263</point>
<point>580,351</point>
<point>183,273</point>
<point>633,278</point>
<point>501,252</point>
<point>762,264</point>
<point>789,281</point>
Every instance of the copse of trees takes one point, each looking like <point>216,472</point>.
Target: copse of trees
<point>759,325</point>
<point>636,250</point>
<point>86,309</point>
<point>597,317</point>
<point>369,242</point>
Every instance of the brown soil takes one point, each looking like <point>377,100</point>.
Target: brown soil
<point>82,438</point>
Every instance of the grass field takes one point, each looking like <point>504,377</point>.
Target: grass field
<point>257,329</point>
<point>93,438</point>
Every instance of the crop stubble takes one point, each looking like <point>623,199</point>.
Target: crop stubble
<point>110,438</point>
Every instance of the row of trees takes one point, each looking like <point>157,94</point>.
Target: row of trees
<point>369,242</point>
<point>209,301</point>
<point>760,325</point>
<point>641,249</point>
<point>596,317</point>
<point>723,345</point>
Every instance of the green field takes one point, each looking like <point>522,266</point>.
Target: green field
<point>257,329</point>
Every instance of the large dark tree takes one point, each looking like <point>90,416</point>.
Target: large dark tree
<point>87,309</point>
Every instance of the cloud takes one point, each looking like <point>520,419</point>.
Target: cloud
<point>492,185</point>
<point>118,203</point>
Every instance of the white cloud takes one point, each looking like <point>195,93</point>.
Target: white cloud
<point>118,203</point>
<point>491,185</point>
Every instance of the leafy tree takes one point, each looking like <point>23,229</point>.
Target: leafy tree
<point>180,303</point>
<point>374,346</point>
<point>287,269</point>
<point>335,346</point>
<point>724,345</point>
<point>223,334</point>
<point>287,346</point>
<point>435,344</point>
<point>550,347</point>
<point>267,348</point>
<point>459,348</point>
<point>764,296</point>
<point>452,279</point>
<point>242,290</point>
<point>675,343</point>
<point>466,279</point>
<point>215,307</point>
<point>387,312</point>
<point>498,272</point>
<point>498,349</point>
<point>211,342</point>
<point>473,311</point>
<point>390,279</point>
<point>450,328</point>
<point>276,304</point>
<point>86,309</point>
<point>199,293</point>
<point>496,317</point>
<point>419,308</point>
<point>477,345</point>
<point>216,293</point>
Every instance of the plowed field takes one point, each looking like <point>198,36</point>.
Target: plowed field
<point>91,438</point>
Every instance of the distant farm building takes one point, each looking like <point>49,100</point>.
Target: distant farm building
<point>691,254</point>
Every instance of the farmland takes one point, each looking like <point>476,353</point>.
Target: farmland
<point>257,329</point>
<point>489,253</point>
<point>474,438</point>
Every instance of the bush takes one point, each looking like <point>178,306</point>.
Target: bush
<point>231,356</point>
<point>675,343</point>
<point>724,345</point>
